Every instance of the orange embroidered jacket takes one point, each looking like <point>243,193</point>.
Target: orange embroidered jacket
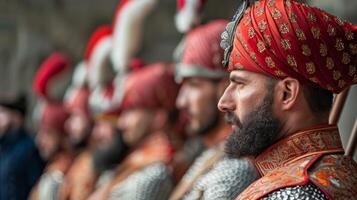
<point>312,156</point>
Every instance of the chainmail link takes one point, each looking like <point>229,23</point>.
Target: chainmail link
<point>225,180</point>
<point>305,192</point>
<point>151,183</point>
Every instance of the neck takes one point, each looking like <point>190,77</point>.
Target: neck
<point>217,134</point>
<point>306,121</point>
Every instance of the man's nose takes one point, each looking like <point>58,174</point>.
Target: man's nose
<point>181,99</point>
<point>226,102</point>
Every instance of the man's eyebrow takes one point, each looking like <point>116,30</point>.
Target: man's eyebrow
<point>235,78</point>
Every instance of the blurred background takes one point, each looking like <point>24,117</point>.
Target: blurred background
<point>31,29</point>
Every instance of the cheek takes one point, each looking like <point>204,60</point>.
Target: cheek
<point>247,100</point>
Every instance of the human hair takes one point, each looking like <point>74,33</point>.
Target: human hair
<point>318,99</point>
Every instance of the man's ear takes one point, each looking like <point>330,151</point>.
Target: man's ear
<point>221,87</point>
<point>287,92</point>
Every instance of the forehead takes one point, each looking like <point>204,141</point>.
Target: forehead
<point>247,76</point>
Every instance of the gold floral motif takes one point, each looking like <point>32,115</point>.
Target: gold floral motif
<point>326,17</point>
<point>311,17</point>
<point>300,34</point>
<point>247,10</point>
<point>245,46</point>
<point>291,61</point>
<point>261,46</point>
<point>315,32</point>
<point>267,40</point>
<point>237,55</point>
<point>288,3</point>
<point>247,20</point>
<point>310,68</point>
<point>284,28</point>
<point>349,35</point>
<point>260,11</point>
<point>341,83</point>
<point>352,70</point>
<point>336,75</point>
<point>339,44</point>
<point>279,73</point>
<point>306,51</point>
<point>251,32</point>
<point>253,56</point>
<point>353,49</point>
<point>292,17</point>
<point>269,61</point>
<point>323,50</point>
<point>331,30</point>
<point>238,66</point>
<point>276,13</point>
<point>262,25</point>
<point>271,2</point>
<point>339,21</point>
<point>286,44</point>
<point>346,58</point>
<point>330,64</point>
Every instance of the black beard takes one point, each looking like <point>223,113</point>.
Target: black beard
<point>259,130</point>
<point>210,125</point>
<point>109,156</point>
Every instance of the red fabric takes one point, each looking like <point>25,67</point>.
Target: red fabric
<point>202,46</point>
<point>79,101</point>
<point>150,87</point>
<point>51,68</point>
<point>100,33</point>
<point>283,38</point>
<point>53,117</point>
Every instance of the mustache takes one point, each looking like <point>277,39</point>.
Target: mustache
<point>232,119</point>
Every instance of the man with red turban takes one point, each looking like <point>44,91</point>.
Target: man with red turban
<point>52,138</point>
<point>146,120</point>
<point>286,60</point>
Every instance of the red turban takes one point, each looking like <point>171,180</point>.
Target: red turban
<point>283,38</point>
<point>150,87</point>
<point>202,56</point>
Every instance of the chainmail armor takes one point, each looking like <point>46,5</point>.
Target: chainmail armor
<point>305,192</point>
<point>225,180</point>
<point>151,183</point>
<point>49,185</point>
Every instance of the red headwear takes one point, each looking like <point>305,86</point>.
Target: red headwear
<point>151,87</point>
<point>202,56</point>
<point>283,38</point>
<point>52,114</point>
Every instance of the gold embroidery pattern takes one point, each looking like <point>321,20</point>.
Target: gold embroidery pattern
<point>323,50</point>
<point>315,32</point>
<point>329,63</point>
<point>339,21</point>
<point>349,35</point>
<point>284,28</point>
<point>286,44</point>
<point>267,39</point>
<point>300,34</point>
<point>261,46</point>
<point>339,44</point>
<point>293,17</point>
<point>262,25</point>
<point>311,17</point>
<point>351,70</point>
<point>331,30</point>
<point>341,83</point>
<point>291,61</point>
<point>260,12</point>
<point>270,62</point>
<point>253,56</point>
<point>297,145</point>
<point>336,75</point>
<point>238,66</point>
<point>247,21</point>
<point>271,2</point>
<point>346,58</point>
<point>251,32</point>
<point>276,13</point>
<point>306,51</point>
<point>310,68</point>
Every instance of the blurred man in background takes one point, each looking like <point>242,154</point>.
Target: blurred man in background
<point>203,81</point>
<point>20,162</point>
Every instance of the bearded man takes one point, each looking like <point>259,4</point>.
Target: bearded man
<point>286,60</point>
